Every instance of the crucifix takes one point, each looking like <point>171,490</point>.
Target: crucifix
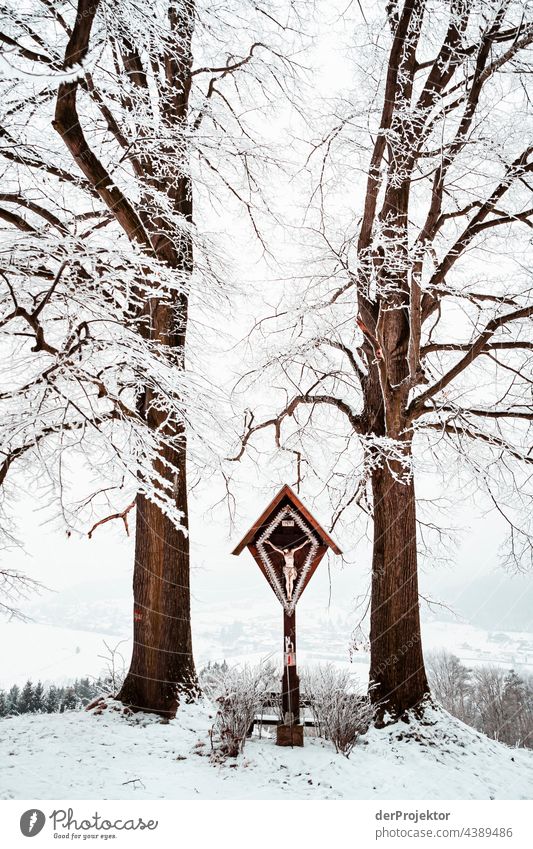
<point>289,569</point>
<point>287,544</point>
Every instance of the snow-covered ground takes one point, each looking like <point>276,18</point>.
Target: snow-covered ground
<point>79,755</point>
<point>85,756</point>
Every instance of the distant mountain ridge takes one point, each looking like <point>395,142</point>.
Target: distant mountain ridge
<point>496,601</point>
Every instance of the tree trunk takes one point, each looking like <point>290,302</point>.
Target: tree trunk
<point>397,664</point>
<point>162,666</point>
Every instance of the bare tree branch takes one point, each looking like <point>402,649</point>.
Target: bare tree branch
<point>417,406</point>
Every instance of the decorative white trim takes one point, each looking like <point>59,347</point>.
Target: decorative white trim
<point>302,573</point>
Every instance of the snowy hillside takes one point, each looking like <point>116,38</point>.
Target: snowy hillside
<point>83,756</point>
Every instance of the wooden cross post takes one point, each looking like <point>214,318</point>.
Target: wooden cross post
<point>287,544</point>
<point>290,683</point>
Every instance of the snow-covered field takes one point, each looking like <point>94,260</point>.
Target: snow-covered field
<point>53,654</point>
<point>48,653</point>
<point>85,756</point>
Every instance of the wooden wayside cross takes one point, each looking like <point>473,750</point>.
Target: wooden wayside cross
<point>287,544</point>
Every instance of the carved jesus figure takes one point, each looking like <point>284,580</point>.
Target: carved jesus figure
<point>289,569</point>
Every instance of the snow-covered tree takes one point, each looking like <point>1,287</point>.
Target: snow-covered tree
<point>13,699</point>
<point>37,703</point>
<point>116,119</point>
<point>69,700</point>
<point>518,707</point>
<point>25,699</point>
<point>408,343</point>
<point>451,684</point>
<point>51,703</point>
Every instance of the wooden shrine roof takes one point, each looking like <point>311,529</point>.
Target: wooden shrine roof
<point>286,492</point>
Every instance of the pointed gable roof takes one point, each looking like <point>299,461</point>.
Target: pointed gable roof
<point>286,493</point>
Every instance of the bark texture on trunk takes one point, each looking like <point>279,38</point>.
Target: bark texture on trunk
<point>162,667</point>
<point>397,663</point>
<point>397,673</point>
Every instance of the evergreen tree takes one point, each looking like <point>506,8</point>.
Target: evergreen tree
<point>514,689</point>
<point>26,698</point>
<point>84,690</point>
<point>70,700</point>
<point>51,703</point>
<point>517,710</point>
<point>38,699</point>
<point>13,700</point>
<point>4,710</point>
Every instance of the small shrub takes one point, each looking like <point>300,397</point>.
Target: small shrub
<point>342,712</point>
<point>239,694</point>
